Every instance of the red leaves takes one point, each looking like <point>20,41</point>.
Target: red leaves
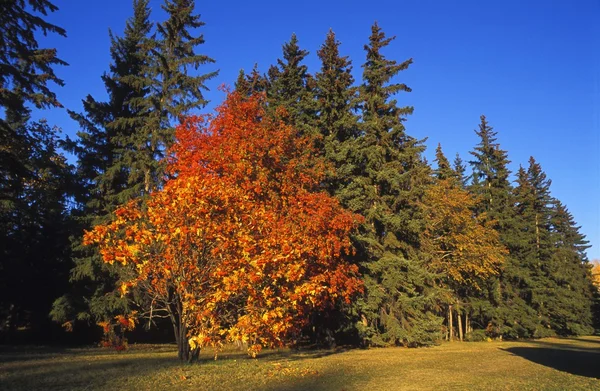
<point>242,233</point>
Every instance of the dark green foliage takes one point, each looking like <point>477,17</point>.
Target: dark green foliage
<point>559,279</point>
<point>150,84</point>
<point>35,228</point>
<point>26,68</point>
<point>36,182</point>
<point>506,299</point>
<point>252,83</point>
<point>459,169</point>
<point>104,175</point>
<point>290,87</point>
<point>400,294</point>
<point>172,91</point>
<point>490,174</point>
<point>444,170</point>
<point>337,121</point>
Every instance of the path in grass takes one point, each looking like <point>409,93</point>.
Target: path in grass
<point>548,364</point>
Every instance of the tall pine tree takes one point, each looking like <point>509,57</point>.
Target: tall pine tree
<point>399,305</point>
<point>290,87</point>
<point>173,91</point>
<point>35,180</point>
<point>337,122</point>
<point>103,173</point>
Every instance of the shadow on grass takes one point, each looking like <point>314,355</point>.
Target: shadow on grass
<point>76,373</point>
<point>581,362</point>
<point>274,354</point>
<point>58,369</point>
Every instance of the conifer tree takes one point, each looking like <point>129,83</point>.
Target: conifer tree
<point>459,169</point>
<point>291,86</point>
<point>337,121</point>
<point>559,281</point>
<point>36,180</point>
<point>571,273</point>
<point>252,83</point>
<point>444,170</point>
<point>490,173</point>
<point>503,309</point>
<point>398,307</point>
<point>103,174</point>
<point>173,91</point>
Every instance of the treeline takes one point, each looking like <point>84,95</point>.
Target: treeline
<point>459,250</point>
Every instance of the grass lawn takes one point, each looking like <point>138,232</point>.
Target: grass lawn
<point>548,364</point>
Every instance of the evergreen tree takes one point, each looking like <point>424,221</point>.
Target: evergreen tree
<point>172,92</point>
<point>504,308</point>
<point>335,106</point>
<point>559,279</point>
<point>444,170</point>
<point>400,299</point>
<point>490,174</point>
<point>103,173</point>
<point>459,169</point>
<point>36,181</point>
<point>252,83</point>
<point>571,273</point>
<point>291,88</point>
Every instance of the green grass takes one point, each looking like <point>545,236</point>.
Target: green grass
<point>548,364</point>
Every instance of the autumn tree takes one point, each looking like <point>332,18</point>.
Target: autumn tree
<point>241,244</point>
<point>596,272</point>
<point>464,250</point>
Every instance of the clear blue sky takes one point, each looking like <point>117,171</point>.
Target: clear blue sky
<point>532,67</point>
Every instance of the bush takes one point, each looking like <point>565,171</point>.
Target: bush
<point>476,336</point>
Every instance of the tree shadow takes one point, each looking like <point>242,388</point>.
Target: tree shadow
<point>580,361</point>
<point>274,354</point>
<point>80,374</point>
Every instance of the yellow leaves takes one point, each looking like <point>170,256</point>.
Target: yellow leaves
<point>68,326</point>
<point>596,272</point>
<point>254,350</point>
<point>124,288</point>
<point>462,248</point>
<point>227,244</point>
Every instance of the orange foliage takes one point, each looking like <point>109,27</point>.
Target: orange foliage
<point>241,238</point>
<point>463,249</point>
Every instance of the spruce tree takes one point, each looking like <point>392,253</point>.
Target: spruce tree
<point>460,168</point>
<point>504,309</point>
<point>103,173</point>
<point>571,273</point>
<point>252,83</point>
<point>173,91</point>
<point>336,120</point>
<point>400,299</point>
<point>559,280</point>
<point>36,178</point>
<point>444,170</point>
<point>290,87</point>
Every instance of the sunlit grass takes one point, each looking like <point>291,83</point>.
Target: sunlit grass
<point>548,364</point>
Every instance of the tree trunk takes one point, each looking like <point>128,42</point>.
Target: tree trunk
<point>450,325</point>
<point>459,319</point>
